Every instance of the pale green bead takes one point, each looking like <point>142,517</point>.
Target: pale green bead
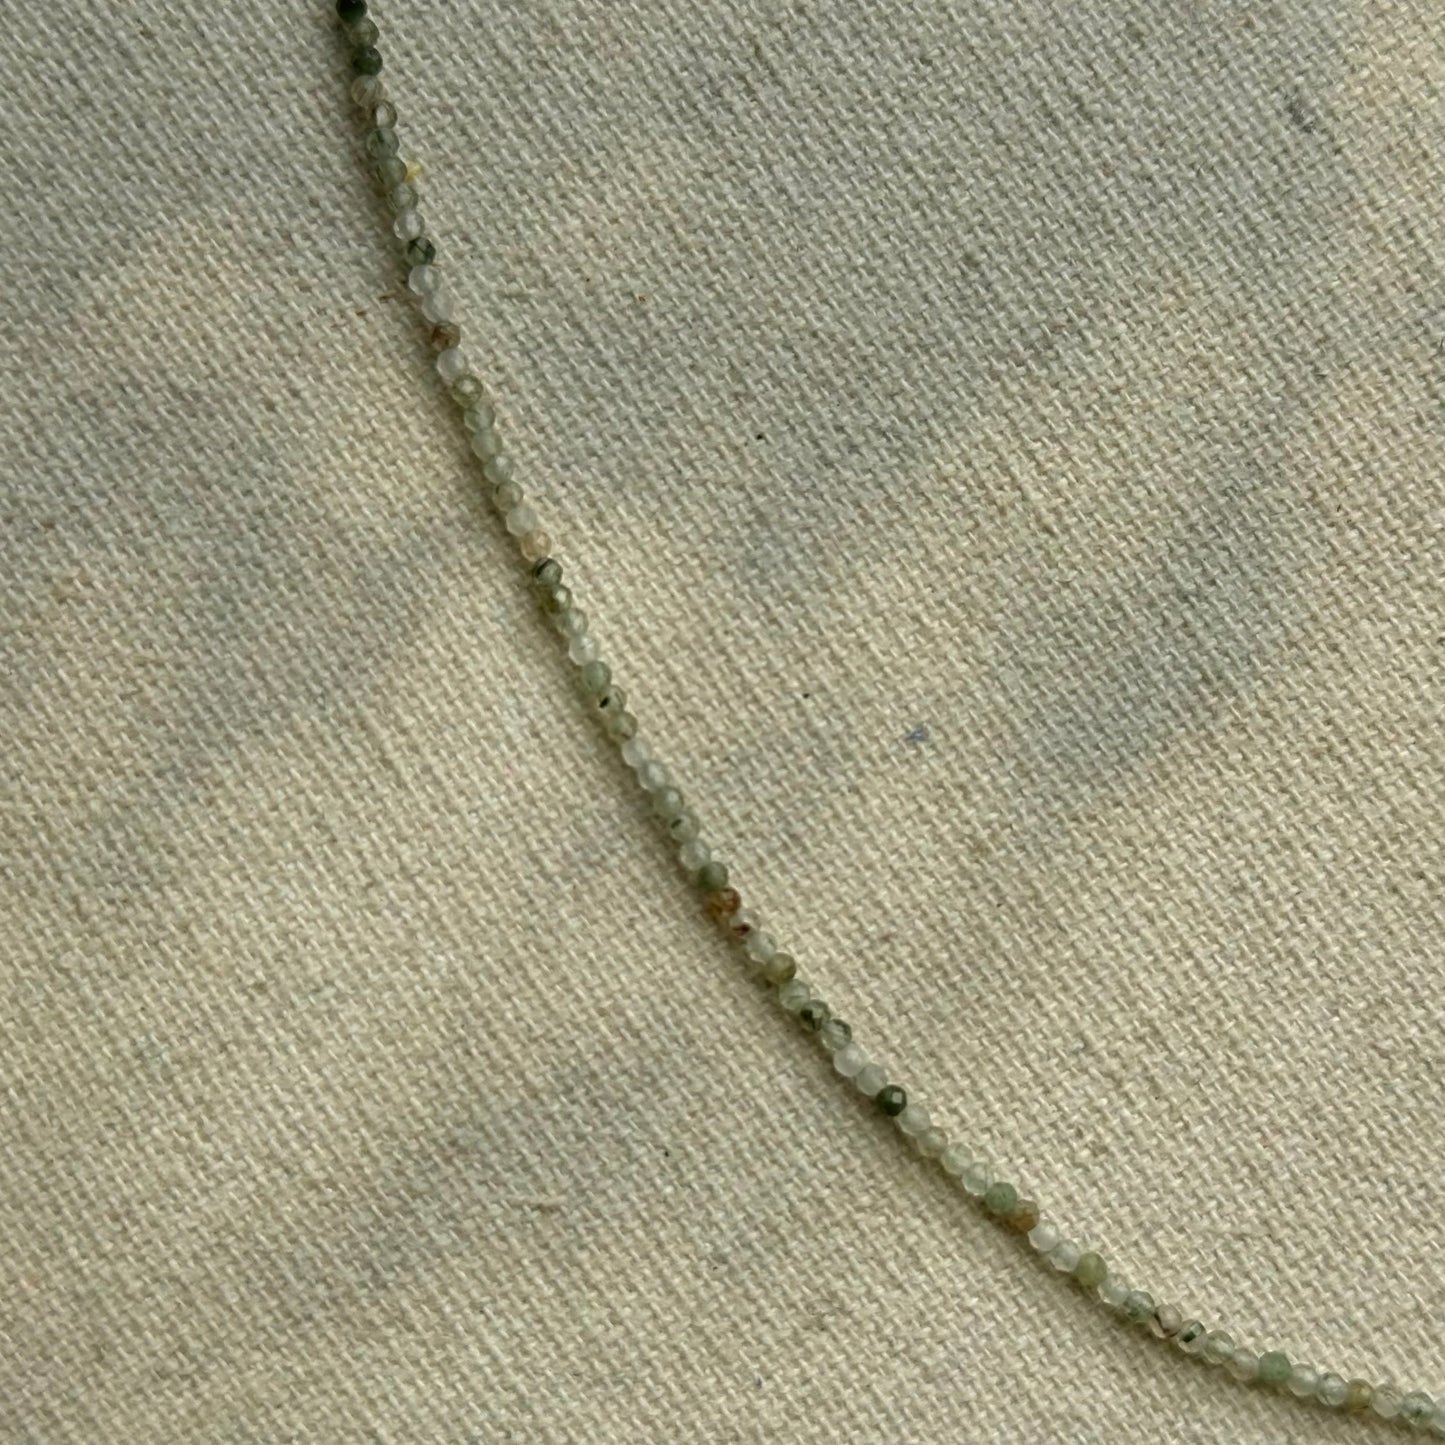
<point>486,443</point>
<point>507,496</point>
<point>931,1142</point>
<point>1244,1364</point>
<point>1385,1402</point>
<point>1191,1336</point>
<point>623,725</point>
<point>479,416</point>
<point>667,803</point>
<point>1218,1347</point>
<point>685,826</point>
<point>794,994</point>
<point>1166,1320</point>
<point>954,1160</point>
<point>1138,1306</point>
<point>594,677</point>
<point>1416,1408</point>
<point>1302,1380</point>
<point>498,468</point>
<point>870,1079</point>
<point>1332,1390</point>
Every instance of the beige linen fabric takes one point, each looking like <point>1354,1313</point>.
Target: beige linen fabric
<point>1000,447</point>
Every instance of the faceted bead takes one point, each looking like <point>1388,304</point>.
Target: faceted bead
<point>1332,1390</point>
<point>976,1176</point>
<point>1000,1198</point>
<point>612,699</point>
<point>954,1160</point>
<point>1191,1337</point>
<point>407,227</point>
<point>423,280</point>
<point>849,1059</point>
<point>350,11</point>
<point>713,877</point>
<point>363,32</point>
<point>914,1120</point>
<point>1091,1270</point>
<point>794,994</point>
<point>778,969</point>
<point>1274,1367</point>
<point>1358,1394</point>
<point>520,520</point>
<point>451,364</point>
<point>1113,1293</point>
<point>1416,1408</point>
<point>401,197</point>
<point>465,389</point>
<point>559,598</point>
<point>720,904</point>
<point>582,648</point>
<point>892,1100</point>
<point>1218,1347</point>
<point>636,752</point>
<point>420,252</point>
<point>694,854</point>
<point>437,307</point>
<point>366,90</point>
<point>594,676</point>
<point>498,468</point>
<point>685,826</point>
<point>834,1035</point>
<point>1243,1364</point>
<point>390,173</point>
<point>381,142</point>
<point>506,497</point>
<point>384,116</point>
<point>1044,1236</point>
<point>870,1080</point>
<point>668,802</point>
<point>573,623</point>
<point>1023,1216</point>
<point>1166,1321</point>
<point>621,726</point>
<point>931,1142</point>
<point>1138,1306</point>
<point>445,335</point>
<point>761,946</point>
<point>814,1014</point>
<point>1064,1256</point>
<point>1385,1401</point>
<point>1302,1380</point>
<point>533,545</point>
<point>366,60</point>
<point>486,444</point>
<point>479,416</point>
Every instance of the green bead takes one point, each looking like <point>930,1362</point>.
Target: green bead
<point>547,573</point>
<point>1138,1307</point>
<point>390,173</point>
<point>367,60</point>
<point>814,1014</point>
<point>1000,1199</point>
<point>1091,1271</point>
<point>381,143</point>
<point>779,969</point>
<point>892,1100</point>
<point>420,252</point>
<point>595,676</point>
<point>1274,1367</point>
<point>1358,1395</point>
<point>363,32</point>
<point>559,599</point>
<point>712,877</point>
<point>350,11</point>
<point>1416,1408</point>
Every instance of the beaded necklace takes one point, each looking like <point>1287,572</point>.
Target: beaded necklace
<point>998,1199</point>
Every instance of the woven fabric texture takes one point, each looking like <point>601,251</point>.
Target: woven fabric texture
<point>1000,447</point>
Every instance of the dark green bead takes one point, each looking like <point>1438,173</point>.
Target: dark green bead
<point>349,10</point>
<point>547,573</point>
<point>556,599</point>
<point>362,32</point>
<point>367,60</point>
<point>420,252</point>
<point>712,877</point>
<point>1091,1271</point>
<point>1000,1199</point>
<point>892,1100</point>
<point>814,1014</point>
<point>1274,1367</point>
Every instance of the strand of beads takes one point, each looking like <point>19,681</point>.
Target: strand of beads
<point>998,1199</point>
